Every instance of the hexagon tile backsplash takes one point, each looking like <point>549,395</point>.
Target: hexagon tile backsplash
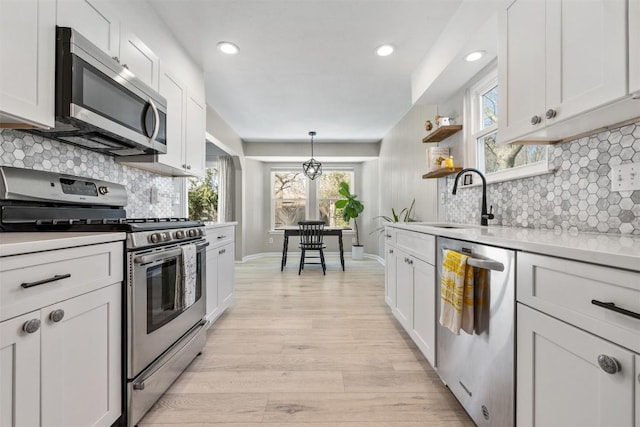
<point>576,196</point>
<point>29,151</point>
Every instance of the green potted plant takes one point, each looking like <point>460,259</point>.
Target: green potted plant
<point>351,209</point>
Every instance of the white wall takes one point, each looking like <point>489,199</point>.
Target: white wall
<point>402,164</point>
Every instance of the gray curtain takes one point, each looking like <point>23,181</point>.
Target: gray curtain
<point>225,189</point>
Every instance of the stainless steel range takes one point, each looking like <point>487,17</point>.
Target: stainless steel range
<point>165,278</point>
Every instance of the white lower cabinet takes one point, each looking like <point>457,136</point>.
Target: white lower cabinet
<point>61,337</point>
<point>569,377</point>
<point>404,290</point>
<point>390,276</point>
<point>19,372</point>
<point>61,365</point>
<point>410,288</point>
<point>220,271</point>
<point>424,313</point>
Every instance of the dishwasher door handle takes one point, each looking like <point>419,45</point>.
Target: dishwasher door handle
<point>487,264</point>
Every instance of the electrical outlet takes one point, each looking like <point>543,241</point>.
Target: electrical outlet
<point>353,240</point>
<point>625,177</point>
<point>270,239</point>
<point>153,195</point>
<point>443,197</point>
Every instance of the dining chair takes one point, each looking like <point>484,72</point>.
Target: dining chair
<point>311,234</point>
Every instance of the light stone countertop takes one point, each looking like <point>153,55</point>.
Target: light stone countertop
<point>23,243</point>
<point>614,250</point>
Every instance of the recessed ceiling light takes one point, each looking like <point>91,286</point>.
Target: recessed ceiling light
<point>384,50</point>
<point>474,56</point>
<point>228,48</point>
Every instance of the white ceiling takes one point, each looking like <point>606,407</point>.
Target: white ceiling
<point>309,64</point>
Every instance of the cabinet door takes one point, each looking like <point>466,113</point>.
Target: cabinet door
<point>424,308</point>
<point>92,19</point>
<point>226,273</point>
<point>27,49</point>
<point>390,276</point>
<point>634,46</point>
<point>404,290</point>
<point>174,92</point>
<point>138,58</point>
<point>559,380</point>
<point>195,136</point>
<point>578,80</point>
<point>521,68</point>
<point>19,372</point>
<point>81,360</point>
<point>212,284</point>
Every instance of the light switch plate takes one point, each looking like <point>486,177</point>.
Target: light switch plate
<point>625,177</point>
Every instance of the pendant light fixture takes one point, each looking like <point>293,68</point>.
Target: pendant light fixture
<point>312,168</point>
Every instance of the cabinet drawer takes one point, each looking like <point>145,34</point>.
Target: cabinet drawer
<point>420,245</point>
<point>565,289</point>
<point>220,236</point>
<point>83,269</point>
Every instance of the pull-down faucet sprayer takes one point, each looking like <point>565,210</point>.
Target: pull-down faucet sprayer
<point>484,216</point>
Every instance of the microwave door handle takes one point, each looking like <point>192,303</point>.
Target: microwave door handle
<point>156,117</point>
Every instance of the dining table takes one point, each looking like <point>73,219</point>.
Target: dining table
<point>294,230</point>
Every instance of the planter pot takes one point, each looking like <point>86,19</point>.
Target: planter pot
<point>357,252</point>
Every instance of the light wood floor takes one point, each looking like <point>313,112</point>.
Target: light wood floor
<point>308,351</point>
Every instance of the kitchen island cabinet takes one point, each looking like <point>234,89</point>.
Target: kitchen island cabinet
<point>27,68</point>
<point>61,326</point>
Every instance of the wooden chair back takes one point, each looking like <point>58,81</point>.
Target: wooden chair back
<point>311,234</point>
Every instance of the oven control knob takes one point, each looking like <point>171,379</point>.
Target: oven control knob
<point>154,238</point>
<point>103,190</point>
<point>179,234</point>
<point>166,237</point>
<point>192,233</point>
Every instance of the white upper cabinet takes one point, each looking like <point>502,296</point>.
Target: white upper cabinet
<point>27,49</point>
<point>174,92</point>
<point>195,135</point>
<point>94,20</point>
<point>634,46</point>
<point>138,58</point>
<point>522,67</point>
<point>558,60</point>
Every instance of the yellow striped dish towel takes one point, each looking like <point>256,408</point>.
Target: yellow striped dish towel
<point>456,293</point>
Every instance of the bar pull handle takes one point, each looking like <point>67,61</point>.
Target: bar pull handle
<point>487,264</point>
<point>139,386</point>
<point>221,251</point>
<point>221,237</point>
<point>49,280</point>
<point>611,306</point>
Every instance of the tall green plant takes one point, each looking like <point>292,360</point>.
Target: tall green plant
<point>352,207</point>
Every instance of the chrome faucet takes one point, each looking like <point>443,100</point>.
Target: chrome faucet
<point>484,216</point>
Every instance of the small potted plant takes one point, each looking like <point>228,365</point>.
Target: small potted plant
<point>352,208</point>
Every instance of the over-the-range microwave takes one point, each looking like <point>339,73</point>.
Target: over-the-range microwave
<point>100,105</point>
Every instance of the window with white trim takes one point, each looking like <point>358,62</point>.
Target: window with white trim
<point>497,162</point>
<point>294,197</point>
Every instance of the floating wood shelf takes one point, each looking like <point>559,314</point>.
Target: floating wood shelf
<point>441,133</point>
<point>439,173</point>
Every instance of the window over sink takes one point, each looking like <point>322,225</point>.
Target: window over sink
<point>497,162</point>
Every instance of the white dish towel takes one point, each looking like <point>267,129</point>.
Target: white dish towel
<point>189,271</point>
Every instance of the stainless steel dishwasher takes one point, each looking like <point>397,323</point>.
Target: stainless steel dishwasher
<point>479,368</point>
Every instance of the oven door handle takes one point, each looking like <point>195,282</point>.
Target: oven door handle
<point>144,259</point>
